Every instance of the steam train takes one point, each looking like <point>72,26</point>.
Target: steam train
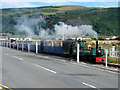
<point>64,48</point>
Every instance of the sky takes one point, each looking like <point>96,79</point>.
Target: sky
<point>39,3</point>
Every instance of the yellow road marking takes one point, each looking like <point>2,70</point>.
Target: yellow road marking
<point>4,86</point>
<point>0,87</point>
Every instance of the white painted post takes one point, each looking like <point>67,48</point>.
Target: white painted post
<point>78,53</point>
<point>106,58</point>
<point>52,45</point>
<point>22,46</point>
<point>28,47</point>
<point>36,47</point>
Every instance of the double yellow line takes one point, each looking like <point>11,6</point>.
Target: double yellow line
<point>3,87</point>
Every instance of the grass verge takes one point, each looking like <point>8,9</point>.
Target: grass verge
<point>114,60</point>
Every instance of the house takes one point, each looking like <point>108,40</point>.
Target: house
<point>83,38</point>
<point>16,37</point>
<point>109,37</point>
<point>86,37</point>
<point>3,38</point>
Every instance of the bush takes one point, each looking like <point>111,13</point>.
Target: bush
<point>93,38</point>
<point>113,44</point>
<point>101,38</point>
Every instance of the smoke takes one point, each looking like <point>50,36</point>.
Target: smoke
<point>33,26</point>
<point>30,26</point>
<point>69,31</point>
<point>44,33</point>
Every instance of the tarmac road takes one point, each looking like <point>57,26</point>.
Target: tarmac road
<point>28,70</point>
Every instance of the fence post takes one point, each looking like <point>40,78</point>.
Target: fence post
<point>78,53</point>
<point>106,58</point>
<point>28,47</point>
<point>36,47</point>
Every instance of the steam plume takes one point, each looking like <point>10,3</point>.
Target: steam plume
<point>74,31</point>
<point>28,25</point>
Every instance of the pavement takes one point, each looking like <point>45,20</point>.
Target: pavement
<point>28,70</point>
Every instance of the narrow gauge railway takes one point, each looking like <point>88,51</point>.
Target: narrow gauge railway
<point>63,48</point>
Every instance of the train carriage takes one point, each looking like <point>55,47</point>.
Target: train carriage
<point>32,45</point>
<point>53,47</point>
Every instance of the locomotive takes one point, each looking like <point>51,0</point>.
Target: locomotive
<point>95,55</point>
<point>64,48</point>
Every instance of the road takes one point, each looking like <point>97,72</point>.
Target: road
<point>28,70</point>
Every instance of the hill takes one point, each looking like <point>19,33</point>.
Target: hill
<point>103,20</point>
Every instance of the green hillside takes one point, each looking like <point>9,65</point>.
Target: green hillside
<point>103,20</point>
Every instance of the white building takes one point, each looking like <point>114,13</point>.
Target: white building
<point>110,37</point>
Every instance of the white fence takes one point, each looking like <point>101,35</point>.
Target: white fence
<point>115,54</point>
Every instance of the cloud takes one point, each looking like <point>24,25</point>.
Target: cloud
<point>93,0</point>
<point>17,5</point>
<point>38,3</point>
<point>42,1</point>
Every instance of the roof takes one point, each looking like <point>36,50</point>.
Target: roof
<point>16,36</point>
<point>87,36</point>
<point>107,36</point>
<point>3,36</point>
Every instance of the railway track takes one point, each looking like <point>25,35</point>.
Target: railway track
<point>114,65</point>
